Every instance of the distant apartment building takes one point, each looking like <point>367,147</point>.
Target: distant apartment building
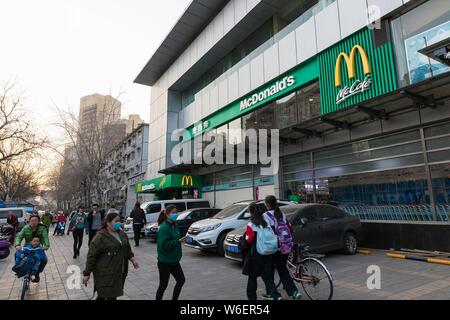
<point>126,166</point>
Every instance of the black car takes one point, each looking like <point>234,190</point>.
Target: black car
<point>322,227</point>
<point>184,221</point>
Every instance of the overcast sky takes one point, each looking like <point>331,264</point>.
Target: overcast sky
<point>60,50</point>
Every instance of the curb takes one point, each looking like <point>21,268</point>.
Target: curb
<point>363,251</point>
<point>416,258</point>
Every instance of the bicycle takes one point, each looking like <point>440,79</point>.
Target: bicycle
<point>25,285</point>
<point>307,269</point>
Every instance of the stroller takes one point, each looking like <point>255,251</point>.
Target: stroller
<point>60,228</point>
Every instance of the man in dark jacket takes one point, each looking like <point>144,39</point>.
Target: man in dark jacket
<point>139,221</point>
<point>95,221</point>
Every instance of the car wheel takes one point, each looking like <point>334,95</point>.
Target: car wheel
<point>350,243</point>
<point>220,242</point>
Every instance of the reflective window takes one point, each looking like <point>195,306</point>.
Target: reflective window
<point>286,111</point>
<point>308,102</point>
<point>418,29</point>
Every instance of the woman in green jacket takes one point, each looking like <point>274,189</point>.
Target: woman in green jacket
<point>78,224</point>
<point>108,256</point>
<point>169,254</point>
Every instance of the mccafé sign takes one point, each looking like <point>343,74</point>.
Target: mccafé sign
<point>359,85</point>
<point>355,70</point>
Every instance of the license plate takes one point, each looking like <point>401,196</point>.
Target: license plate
<point>189,240</point>
<point>233,249</point>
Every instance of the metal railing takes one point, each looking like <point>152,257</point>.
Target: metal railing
<point>399,212</point>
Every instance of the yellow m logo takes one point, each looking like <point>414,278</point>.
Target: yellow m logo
<point>350,62</point>
<point>139,188</point>
<point>187,180</point>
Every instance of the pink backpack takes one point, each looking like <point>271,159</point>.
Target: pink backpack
<point>285,241</point>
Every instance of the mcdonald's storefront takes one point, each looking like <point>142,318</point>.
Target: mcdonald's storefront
<point>351,132</point>
<point>172,186</point>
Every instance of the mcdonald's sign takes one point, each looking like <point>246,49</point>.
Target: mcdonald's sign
<point>355,70</point>
<point>187,181</point>
<point>358,86</point>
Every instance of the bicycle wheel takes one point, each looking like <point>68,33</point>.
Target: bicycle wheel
<point>25,284</point>
<point>316,279</point>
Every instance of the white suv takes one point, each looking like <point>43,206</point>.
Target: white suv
<point>211,233</point>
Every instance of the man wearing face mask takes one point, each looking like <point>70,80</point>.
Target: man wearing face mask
<point>169,254</point>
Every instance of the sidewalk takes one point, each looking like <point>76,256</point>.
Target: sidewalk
<point>209,276</point>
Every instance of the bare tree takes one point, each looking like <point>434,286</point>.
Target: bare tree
<point>17,136</point>
<point>18,180</point>
<point>90,145</point>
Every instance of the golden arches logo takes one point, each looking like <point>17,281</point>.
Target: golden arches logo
<point>163,181</point>
<point>350,62</point>
<point>139,188</point>
<point>187,180</point>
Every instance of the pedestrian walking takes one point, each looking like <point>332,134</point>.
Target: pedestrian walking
<point>139,221</point>
<point>95,220</point>
<point>169,253</point>
<point>108,258</point>
<point>283,229</point>
<point>77,225</point>
<point>255,264</point>
<point>14,222</point>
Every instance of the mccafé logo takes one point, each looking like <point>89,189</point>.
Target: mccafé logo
<point>358,86</point>
<point>187,180</point>
<point>148,187</point>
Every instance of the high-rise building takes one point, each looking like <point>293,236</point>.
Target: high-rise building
<point>100,122</point>
<point>134,121</point>
<point>97,110</point>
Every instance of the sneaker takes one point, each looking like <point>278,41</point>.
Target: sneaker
<point>266,296</point>
<point>296,296</point>
<point>36,278</point>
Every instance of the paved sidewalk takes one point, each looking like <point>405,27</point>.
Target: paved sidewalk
<point>209,276</point>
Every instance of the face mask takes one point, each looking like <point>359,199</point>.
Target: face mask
<point>116,226</point>
<point>173,216</point>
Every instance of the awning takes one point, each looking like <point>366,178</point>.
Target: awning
<point>170,181</point>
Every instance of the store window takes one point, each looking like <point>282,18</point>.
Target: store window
<point>420,28</point>
<point>308,102</point>
<point>286,111</point>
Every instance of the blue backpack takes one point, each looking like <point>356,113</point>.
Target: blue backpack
<point>266,241</point>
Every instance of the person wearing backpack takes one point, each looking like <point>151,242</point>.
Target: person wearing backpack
<point>278,222</point>
<point>260,239</point>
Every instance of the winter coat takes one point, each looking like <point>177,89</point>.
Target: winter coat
<point>47,219</point>
<point>138,216</point>
<point>169,245</point>
<point>27,234</point>
<point>90,218</point>
<point>108,260</point>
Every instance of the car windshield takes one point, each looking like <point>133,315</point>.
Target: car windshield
<point>230,211</point>
<point>183,215</point>
<point>4,214</point>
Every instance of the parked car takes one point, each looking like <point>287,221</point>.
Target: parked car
<point>210,233</point>
<point>322,227</point>
<point>153,208</point>
<point>184,221</point>
<point>21,214</point>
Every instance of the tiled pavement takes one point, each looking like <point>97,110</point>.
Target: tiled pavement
<point>212,277</point>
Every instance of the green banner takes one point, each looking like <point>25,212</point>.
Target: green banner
<point>169,181</point>
<point>288,82</point>
<point>354,70</point>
